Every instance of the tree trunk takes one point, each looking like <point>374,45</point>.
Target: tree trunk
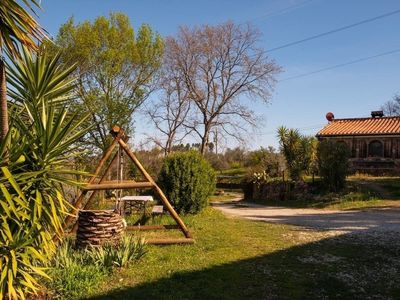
<point>3,101</point>
<point>204,141</point>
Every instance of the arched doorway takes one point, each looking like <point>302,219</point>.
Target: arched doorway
<point>375,149</point>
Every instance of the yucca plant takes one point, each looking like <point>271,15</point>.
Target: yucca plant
<point>17,26</point>
<point>19,257</point>
<point>118,255</point>
<point>41,143</point>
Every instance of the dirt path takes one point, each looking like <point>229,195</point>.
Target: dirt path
<point>382,219</point>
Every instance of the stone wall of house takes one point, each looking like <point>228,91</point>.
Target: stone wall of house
<point>368,157</point>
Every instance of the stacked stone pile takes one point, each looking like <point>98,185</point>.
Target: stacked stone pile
<point>96,227</point>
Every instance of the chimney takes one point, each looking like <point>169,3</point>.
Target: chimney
<point>330,116</point>
<point>377,114</point>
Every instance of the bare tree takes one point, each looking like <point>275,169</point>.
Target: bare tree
<point>169,114</point>
<point>221,65</point>
<point>392,107</point>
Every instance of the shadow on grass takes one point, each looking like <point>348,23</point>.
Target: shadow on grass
<point>351,266</point>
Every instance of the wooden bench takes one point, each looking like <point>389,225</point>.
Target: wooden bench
<point>157,210</point>
<point>135,203</point>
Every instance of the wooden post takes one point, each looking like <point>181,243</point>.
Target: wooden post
<point>157,189</point>
<point>75,227</point>
<point>68,220</point>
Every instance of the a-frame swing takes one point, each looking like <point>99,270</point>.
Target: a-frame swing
<point>97,184</point>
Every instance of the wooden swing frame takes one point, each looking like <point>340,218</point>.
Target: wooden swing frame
<point>94,185</point>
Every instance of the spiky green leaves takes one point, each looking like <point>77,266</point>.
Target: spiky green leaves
<point>18,26</point>
<point>41,143</point>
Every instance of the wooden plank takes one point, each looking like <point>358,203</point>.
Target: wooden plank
<point>151,227</point>
<point>111,185</point>
<point>170,241</point>
<point>160,193</point>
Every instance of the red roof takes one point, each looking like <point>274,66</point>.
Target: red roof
<point>361,126</point>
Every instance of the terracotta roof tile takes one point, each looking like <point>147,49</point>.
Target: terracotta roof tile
<point>362,126</point>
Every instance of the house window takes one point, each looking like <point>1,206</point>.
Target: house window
<point>375,149</point>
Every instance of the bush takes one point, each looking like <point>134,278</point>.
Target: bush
<point>187,180</point>
<point>333,164</point>
<point>266,159</point>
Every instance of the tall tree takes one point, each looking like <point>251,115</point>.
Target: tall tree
<point>17,27</point>
<point>392,107</point>
<point>169,113</point>
<point>116,69</point>
<point>221,65</point>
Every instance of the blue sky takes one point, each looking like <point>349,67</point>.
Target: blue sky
<point>351,91</point>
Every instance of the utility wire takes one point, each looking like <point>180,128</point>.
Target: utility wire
<point>281,11</point>
<point>335,30</point>
<point>342,64</point>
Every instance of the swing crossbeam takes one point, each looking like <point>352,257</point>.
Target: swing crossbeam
<point>109,185</point>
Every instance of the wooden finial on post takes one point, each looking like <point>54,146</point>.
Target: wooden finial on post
<point>116,130</point>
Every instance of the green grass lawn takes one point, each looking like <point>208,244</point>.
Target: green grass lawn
<point>226,196</point>
<point>241,259</point>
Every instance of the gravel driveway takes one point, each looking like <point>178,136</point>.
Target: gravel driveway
<point>382,219</point>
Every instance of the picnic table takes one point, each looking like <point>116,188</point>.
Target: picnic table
<point>135,203</point>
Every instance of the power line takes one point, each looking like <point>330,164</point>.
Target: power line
<point>335,30</point>
<point>282,11</point>
<point>342,64</point>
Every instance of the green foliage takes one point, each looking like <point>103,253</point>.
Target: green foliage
<point>333,164</point>
<point>116,67</point>
<point>17,26</point>
<point>77,281</point>
<point>77,273</point>
<point>260,178</point>
<point>187,180</point>
<point>38,147</point>
<point>266,160</point>
<point>128,250</point>
<point>298,151</point>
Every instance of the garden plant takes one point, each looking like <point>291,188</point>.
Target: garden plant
<point>188,180</point>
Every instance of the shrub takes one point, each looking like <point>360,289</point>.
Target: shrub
<point>333,164</point>
<point>266,159</point>
<point>187,180</point>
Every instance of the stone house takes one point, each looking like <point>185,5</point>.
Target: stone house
<point>374,142</point>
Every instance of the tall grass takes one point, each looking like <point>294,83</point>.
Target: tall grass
<point>76,273</point>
